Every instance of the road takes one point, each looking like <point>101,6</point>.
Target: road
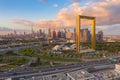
<point>17,48</point>
<point>28,71</point>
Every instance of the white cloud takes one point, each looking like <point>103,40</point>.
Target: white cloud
<point>75,0</point>
<point>105,11</point>
<point>43,0</point>
<point>55,5</point>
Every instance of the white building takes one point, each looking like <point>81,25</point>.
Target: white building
<point>66,48</point>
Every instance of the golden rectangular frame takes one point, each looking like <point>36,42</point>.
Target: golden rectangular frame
<point>78,26</point>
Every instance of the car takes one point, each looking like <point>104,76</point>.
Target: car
<point>14,73</point>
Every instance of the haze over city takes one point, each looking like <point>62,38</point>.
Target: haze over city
<point>59,39</point>
<point>21,15</point>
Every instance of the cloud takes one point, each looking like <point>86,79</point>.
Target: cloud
<point>49,24</point>
<point>105,11</point>
<point>102,27</point>
<point>112,30</point>
<point>40,23</point>
<point>43,0</point>
<point>75,0</point>
<point>22,22</point>
<point>55,5</point>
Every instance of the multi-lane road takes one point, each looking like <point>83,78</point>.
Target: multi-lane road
<point>29,72</point>
<point>16,47</point>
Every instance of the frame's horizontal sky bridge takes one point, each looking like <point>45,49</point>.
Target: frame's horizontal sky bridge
<point>86,17</point>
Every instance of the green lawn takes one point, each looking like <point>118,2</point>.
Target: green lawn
<point>8,66</point>
<point>59,59</point>
<point>13,62</point>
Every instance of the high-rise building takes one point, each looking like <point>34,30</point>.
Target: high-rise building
<point>40,31</point>
<point>86,35</point>
<point>100,36</point>
<point>32,31</point>
<point>68,34</point>
<point>54,34</point>
<point>59,34</point>
<point>74,34</point>
<point>63,33</point>
<point>15,33</point>
<point>89,36</point>
<point>49,32</point>
<point>24,33</point>
<point>81,35</point>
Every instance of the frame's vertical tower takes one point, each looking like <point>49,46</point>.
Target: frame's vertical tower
<point>78,36</point>
<point>93,39</point>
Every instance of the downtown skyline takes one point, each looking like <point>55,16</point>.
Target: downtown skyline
<point>24,14</point>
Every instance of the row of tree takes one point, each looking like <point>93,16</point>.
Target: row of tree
<point>107,46</point>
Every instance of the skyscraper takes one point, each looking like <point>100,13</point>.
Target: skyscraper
<point>24,33</point>
<point>74,34</point>
<point>68,34</point>
<point>63,33</point>
<point>86,35</point>
<point>59,34</point>
<point>32,31</point>
<point>49,32</point>
<point>15,33</point>
<point>54,34</point>
<point>100,36</point>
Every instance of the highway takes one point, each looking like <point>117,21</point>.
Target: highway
<point>16,47</point>
<point>28,71</point>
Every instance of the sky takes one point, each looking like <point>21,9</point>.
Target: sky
<point>21,15</point>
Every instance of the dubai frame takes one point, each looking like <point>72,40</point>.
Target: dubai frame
<point>78,26</point>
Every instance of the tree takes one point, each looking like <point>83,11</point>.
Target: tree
<point>38,61</point>
<point>28,52</point>
<point>10,53</point>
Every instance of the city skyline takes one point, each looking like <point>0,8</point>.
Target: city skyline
<point>59,39</point>
<point>68,34</point>
<point>22,14</point>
